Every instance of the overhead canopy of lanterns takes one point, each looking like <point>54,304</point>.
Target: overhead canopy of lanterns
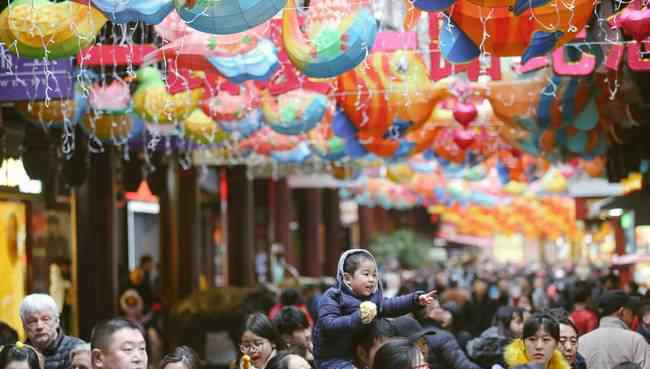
<point>270,80</point>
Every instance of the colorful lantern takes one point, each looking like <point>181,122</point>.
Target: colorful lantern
<point>201,129</point>
<point>40,28</point>
<point>124,11</point>
<point>293,113</point>
<point>533,33</point>
<point>258,64</point>
<point>408,98</point>
<point>110,118</point>
<point>324,143</point>
<point>222,17</point>
<point>329,48</point>
<point>236,113</point>
<point>155,104</point>
<point>55,113</point>
<point>634,20</point>
<point>265,141</point>
<point>239,57</point>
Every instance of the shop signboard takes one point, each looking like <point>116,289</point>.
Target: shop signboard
<point>23,79</point>
<point>627,223</point>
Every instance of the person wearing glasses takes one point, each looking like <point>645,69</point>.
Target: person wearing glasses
<point>80,357</point>
<point>40,317</point>
<point>260,341</point>
<point>182,357</point>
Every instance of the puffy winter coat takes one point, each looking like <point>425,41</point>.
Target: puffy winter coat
<point>58,355</point>
<point>515,357</point>
<point>444,351</point>
<point>487,349</point>
<point>339,316</point>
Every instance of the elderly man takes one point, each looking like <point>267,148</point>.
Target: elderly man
<point>118,344</point>
<point>80,357</point>
<point>39,314</point>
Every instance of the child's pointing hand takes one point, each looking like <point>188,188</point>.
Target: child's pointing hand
<point>427,298</point>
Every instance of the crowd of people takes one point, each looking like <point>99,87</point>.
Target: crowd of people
<point>471,318</point>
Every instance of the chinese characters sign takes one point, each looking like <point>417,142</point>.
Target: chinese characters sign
<point>33,79</point>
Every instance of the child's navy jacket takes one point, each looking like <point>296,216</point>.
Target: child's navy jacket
<point>339,316</point>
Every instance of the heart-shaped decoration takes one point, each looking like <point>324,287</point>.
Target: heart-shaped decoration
<point>465,113</point>
<point>634,20</point>
<point>636,23</point>
<point>464,138</point>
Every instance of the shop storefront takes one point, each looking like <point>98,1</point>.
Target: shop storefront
<point>35,244</point>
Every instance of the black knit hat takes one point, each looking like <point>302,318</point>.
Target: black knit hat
<point>611,301</point>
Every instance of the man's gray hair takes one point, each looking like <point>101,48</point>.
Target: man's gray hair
<point>38,302</point>
<point>82,347</point>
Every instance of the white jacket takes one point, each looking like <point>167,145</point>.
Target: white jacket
<point>613,343</point>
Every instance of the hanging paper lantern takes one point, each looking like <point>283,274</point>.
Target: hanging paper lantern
<point>569,124</point>
<point>329,47</point>
<point>432,5</point>
<point>155,104</point>
<point>527,33</point>
<point>554,182</point>
<point>634,19</point>
<point>40,28</point>
<point>345,130</point>
<point>239,57</point>
<point>407,100</point>
<point>51,114</point>
<point>265,141</point>
<point>201,129</point>
<point>124,11</point>
<point>259,63</point>
<point>55,113</point>
<point>293,113</point>
<point>400,173</point>
<point>222,17</point>
<point>236,112</point>
<point>109,117</point>
<point>297,155</point>
<point>324,143</point>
